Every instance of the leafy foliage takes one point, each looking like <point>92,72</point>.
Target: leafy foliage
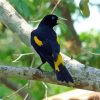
<point>10,45</point>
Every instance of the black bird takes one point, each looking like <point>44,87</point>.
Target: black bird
<point>44,41</point>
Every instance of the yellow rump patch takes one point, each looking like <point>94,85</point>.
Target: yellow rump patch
<point>58,62</point>
<point>37,41</point>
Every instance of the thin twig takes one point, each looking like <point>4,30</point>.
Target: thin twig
<point>26,96</point>
<point>15,91</point>
<point>21,55</point>
<point>55,6</point>
<point>36,21</point>
<point>14,87</point>
<point>32,62</point>
<point>93,53</point>
<point>62,18</point>
<point>46,90</point>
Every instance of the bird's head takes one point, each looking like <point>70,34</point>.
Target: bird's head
<point>50,20</point>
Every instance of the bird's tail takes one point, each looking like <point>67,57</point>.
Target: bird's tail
<point>63,74</point>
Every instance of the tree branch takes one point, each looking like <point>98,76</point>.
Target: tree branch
<point>10,17</point>
<point>85,77</point>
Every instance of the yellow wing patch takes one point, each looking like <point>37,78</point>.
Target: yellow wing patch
<point>37,41</point>
<point>58,62</point>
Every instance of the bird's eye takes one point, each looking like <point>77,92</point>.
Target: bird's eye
<point>53,17</point>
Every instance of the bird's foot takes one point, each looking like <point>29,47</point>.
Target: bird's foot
<point>39,67</point>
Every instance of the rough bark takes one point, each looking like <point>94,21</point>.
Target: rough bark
<point>85,77</point>
<point>15,21</point>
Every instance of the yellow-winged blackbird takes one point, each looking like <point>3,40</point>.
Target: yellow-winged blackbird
<point>44,41</point>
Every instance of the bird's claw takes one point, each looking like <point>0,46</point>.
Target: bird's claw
<point>39,67</point>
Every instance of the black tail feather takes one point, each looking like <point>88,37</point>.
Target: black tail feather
<point>63,74</point>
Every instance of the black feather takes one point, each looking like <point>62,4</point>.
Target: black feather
<point>50,49</point>
<point>63,74</point>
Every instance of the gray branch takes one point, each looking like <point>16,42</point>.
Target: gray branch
<point>15,21</point>
<point>85,77</point>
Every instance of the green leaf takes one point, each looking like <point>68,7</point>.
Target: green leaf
<point>84,7</point>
